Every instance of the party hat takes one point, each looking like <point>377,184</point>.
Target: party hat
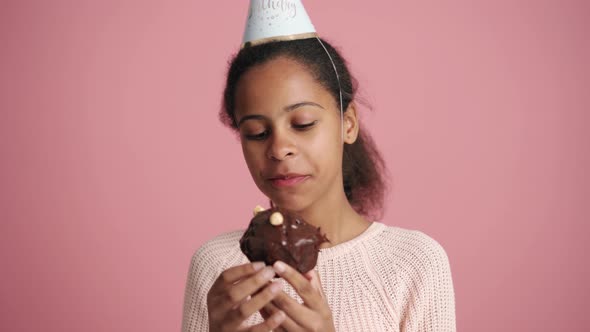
<point>275,20</point>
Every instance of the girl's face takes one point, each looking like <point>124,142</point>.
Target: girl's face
<point>289,127</point>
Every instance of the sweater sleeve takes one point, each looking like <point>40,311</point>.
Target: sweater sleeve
<point>201,275</point>
<point>430,305</point>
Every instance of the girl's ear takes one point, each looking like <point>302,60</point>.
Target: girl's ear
<point>351,124</point>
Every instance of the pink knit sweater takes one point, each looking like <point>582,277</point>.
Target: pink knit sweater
<point>386,279</point>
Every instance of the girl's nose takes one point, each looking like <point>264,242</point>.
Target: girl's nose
<point>281,147</point>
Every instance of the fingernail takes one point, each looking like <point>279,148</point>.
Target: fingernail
<point>258,266</point>
<point>279,317</point>
<point>268,273</point>
<point>280,267</point>
<point>275,287</point>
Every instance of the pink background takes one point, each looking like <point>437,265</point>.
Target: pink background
<point>115,169</point>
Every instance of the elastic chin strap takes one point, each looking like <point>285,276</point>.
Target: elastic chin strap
<point>339,90</point>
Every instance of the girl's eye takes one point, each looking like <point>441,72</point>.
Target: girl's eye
<point>257,137</point>
<point>305,125</point>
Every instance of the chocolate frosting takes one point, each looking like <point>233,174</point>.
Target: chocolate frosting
<point>294,242</point>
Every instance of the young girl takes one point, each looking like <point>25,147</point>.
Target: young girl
<point>306,151</point>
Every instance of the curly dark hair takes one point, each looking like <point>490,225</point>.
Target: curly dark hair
<point>363,167</point>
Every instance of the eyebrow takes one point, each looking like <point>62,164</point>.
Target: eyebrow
<point>288,108</point>
<point>301,104</point>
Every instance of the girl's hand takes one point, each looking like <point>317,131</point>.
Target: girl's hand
<point>238,293</point>
<point>313,315</point>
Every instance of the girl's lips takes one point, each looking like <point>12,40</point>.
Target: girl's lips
<point>288,181</point>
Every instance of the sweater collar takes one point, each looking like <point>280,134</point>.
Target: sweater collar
<point>342,248</point>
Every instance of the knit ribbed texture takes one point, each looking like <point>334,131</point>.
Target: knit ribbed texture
<point>386,279</point>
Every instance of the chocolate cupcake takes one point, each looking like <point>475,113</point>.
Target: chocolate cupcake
<point>277,234</point>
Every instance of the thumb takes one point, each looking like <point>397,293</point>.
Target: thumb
<point>314,279</point>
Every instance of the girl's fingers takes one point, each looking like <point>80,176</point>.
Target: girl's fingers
<point>229,277</point>
<point>316,283</point>
<point>288,324</point>
<point>272,323</point>
<point>311,296</point>
<point>257,302</point>
<point>236,273</point>
<point>234,295</point>
<point>299,313</point>
<point>264,313</point>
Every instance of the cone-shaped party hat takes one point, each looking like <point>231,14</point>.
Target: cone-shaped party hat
<point>274,20</point>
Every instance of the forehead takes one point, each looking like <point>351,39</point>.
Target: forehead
<point>276,84</point>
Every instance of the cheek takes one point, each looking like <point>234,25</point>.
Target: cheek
<point>252,158</point>
<point>326,149</point>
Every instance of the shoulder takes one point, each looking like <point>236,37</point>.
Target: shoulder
<point>218,249</point>
<point>421,274</point>
<point>208,261</point>
<point>215,256</point>
<point>415,255</point>
<point>211,258</point>
<point>402,241</point>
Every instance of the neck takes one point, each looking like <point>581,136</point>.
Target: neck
<point>336,219</point>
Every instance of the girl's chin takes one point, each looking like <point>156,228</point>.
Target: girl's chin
<point>290,204</point>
